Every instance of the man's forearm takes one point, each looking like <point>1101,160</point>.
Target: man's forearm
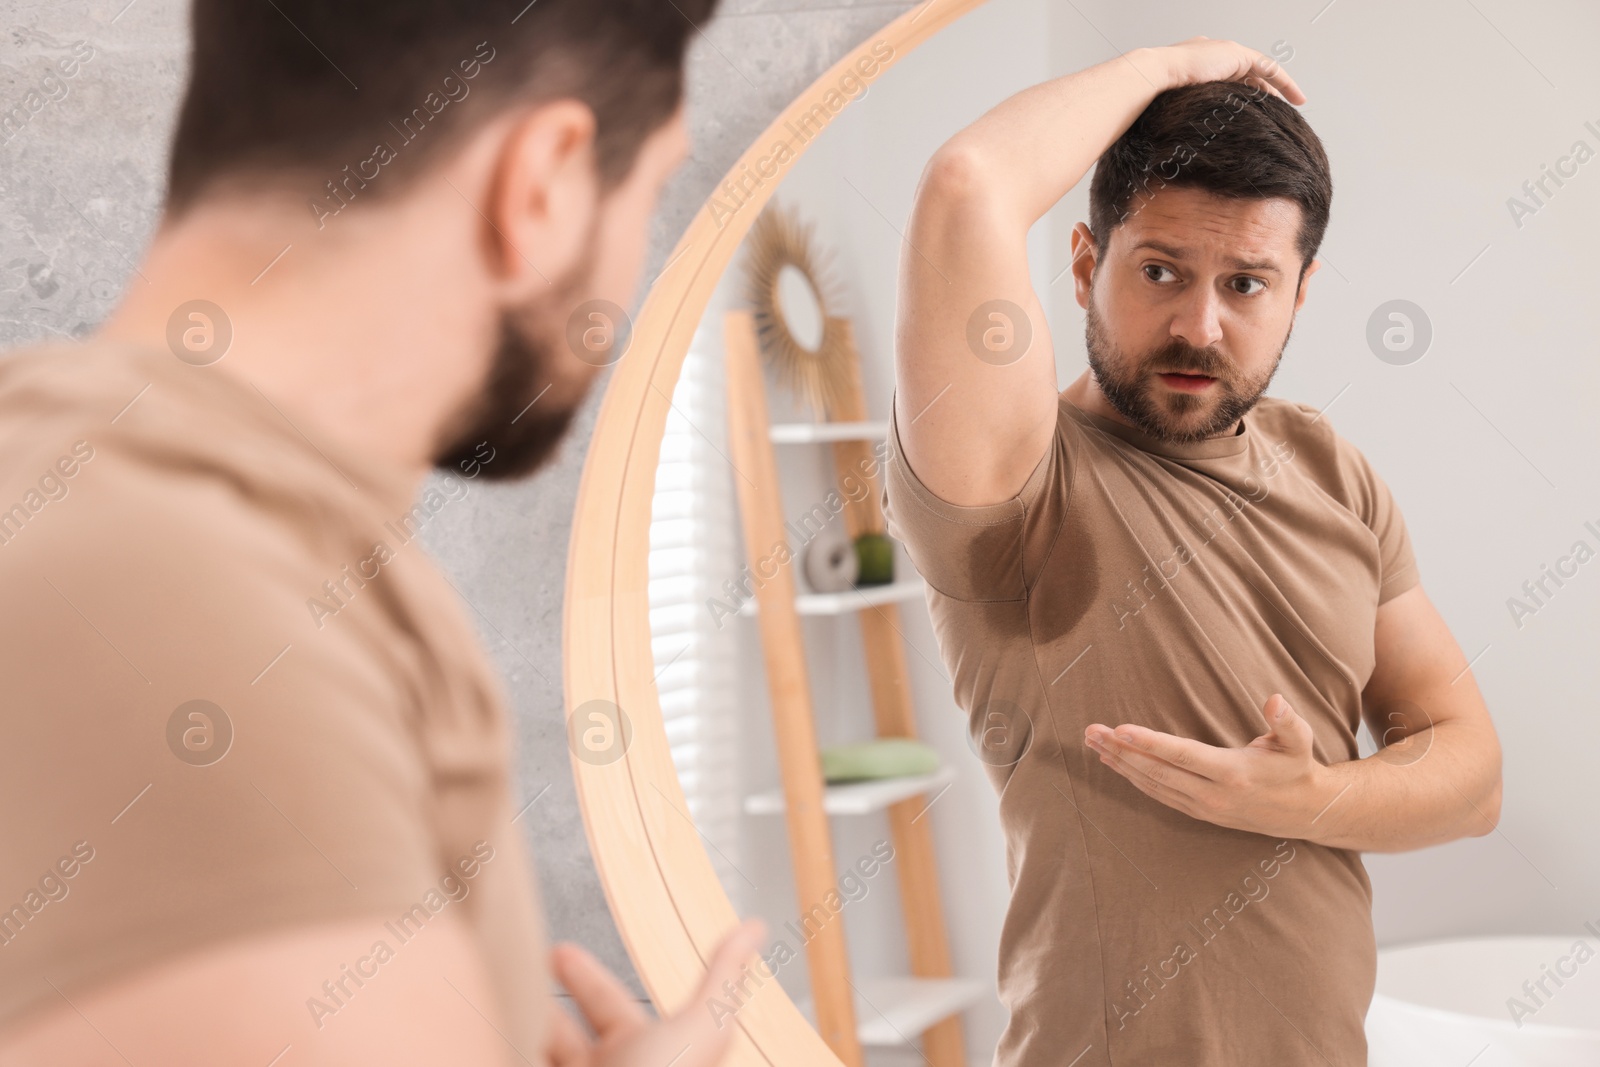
<point>1440,784</point>
<point>1032,148</point>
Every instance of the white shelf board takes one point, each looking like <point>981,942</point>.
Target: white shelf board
<point>805,433</point>
<point>865,596</point>
<point>858,798</point>
<point>892,1012</point>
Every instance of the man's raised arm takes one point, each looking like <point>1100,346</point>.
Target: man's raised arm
<point>976,393</point>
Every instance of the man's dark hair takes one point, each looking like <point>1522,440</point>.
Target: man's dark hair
<point>1227,138</point>
<point>307,88</point>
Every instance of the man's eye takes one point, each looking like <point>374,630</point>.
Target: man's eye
<point>1156,267</point>
<point>1253,292</point>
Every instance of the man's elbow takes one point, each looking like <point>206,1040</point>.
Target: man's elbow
<point>965,207</point>
<point>1488,812</point>
<point>956,176</point>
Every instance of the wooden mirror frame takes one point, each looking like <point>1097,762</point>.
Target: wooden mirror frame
<point>663,892</point>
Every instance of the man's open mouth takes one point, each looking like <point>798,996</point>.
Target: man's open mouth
<point>1190,382</point>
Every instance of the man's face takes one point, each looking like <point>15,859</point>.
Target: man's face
<point>536,382</point>
<point>1190,309</point>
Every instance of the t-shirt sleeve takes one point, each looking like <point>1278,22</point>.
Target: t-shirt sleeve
<point>969,553</point>
<point>1377,507</point>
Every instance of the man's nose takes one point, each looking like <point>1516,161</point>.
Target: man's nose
<point>1198,320</point>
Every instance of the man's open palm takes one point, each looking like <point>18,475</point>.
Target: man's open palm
<point>1274,785</point>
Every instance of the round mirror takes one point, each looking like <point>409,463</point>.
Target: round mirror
<point>799,305</point>
<point>708,599</point>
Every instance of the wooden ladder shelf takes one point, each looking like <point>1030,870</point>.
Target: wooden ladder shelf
<point>810,842</point>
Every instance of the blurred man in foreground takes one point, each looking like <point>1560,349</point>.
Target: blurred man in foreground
<point>256,779</point>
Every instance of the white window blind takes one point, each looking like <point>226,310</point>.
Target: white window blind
<point>694,548</point>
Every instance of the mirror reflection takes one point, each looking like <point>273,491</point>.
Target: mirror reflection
<point>1103,629</point>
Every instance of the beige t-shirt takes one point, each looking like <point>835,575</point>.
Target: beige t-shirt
<point>1179,587</point>
<point>167,536</point>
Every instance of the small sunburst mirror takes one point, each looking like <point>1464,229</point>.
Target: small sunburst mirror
<point>796,301</point>
<point>793,300</point>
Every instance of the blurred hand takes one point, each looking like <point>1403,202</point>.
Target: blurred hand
<point>1200,59</point>
<point>625,1035</point>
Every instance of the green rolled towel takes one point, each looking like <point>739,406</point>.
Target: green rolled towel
<point>874,559</point>
<point>885,757</point>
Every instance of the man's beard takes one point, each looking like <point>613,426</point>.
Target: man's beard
<point>1130,386</point>
<point>518,417</point>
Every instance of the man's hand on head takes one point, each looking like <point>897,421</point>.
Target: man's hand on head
<point>1272,786</point>
<point>1201,59</point>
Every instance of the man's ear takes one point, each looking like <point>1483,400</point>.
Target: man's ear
<point>1083,261</point>
<point>1300,296</point>
<point>543,195</point>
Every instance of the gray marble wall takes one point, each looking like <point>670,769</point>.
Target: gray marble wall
<point>81,182</point>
